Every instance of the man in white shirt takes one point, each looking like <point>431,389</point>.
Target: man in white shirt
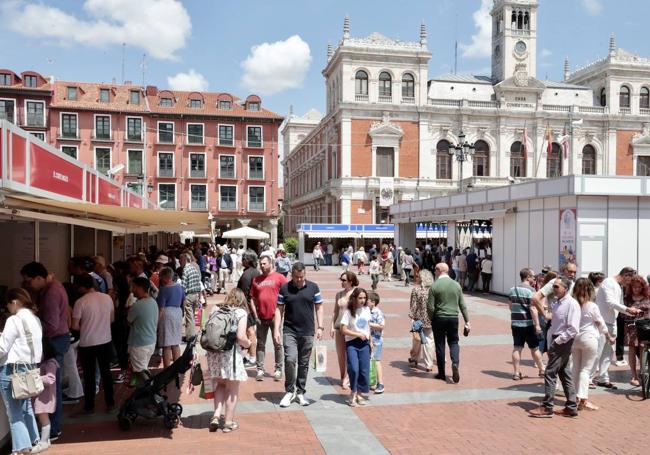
<point>610,302</point>
<point>566,325</point>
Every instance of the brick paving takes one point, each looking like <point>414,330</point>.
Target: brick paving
<point>485,412</point>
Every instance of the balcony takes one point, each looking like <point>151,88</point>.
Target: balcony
<point>484,104</point>
<point>35,120</point>
<point>226,142</point>
<point>197,173</point>
<point>198,205</point>
<point>165,138</point>
<point>133,137</point>
<point>556,108</point>
<point>385,99</point>
<point>255,143</point>
<point>102,137</point>
<point>68,135</point>
<point>361,98</point>
<point>408,100</point>
<point>592,109</point>
<point>625,110</point>
<point>256,206</point>
<point>644,111</point>
<point>230,205</point>
<point>165,172</point>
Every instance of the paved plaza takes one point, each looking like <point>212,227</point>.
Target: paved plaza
<point>485,413</point>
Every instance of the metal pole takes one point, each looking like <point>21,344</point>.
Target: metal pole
<point>460,163</point>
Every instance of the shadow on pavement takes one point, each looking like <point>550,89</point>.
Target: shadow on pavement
<point>272,397</point>
<point>334,397</point>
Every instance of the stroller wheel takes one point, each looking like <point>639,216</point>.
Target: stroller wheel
<point>124,423</point>
<point>171,421</point>
<point>176,408</point>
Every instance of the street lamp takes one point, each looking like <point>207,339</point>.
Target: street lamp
<point>462,151</point>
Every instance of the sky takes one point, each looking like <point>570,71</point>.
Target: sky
<point>277,48</point>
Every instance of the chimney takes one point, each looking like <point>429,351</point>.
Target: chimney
<point>612,45</point>
<point>423,34</point>
<point>567,69</point>
<point>346,28</point>
<point>151,90</point>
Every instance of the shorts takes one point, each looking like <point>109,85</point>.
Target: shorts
<point>376,350</point>
<point>140,356</point>
<point>525,335</point>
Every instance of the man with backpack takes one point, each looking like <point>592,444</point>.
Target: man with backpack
<point>298,300</point>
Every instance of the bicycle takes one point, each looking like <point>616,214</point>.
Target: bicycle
<point>643,336</point>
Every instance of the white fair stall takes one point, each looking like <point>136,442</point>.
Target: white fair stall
<point>597,221</point>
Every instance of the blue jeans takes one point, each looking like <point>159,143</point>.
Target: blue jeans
<point>60,344</point>
<point>22,422</point>
<point>358,353</point>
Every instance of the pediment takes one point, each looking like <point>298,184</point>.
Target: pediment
<point>386,128</point>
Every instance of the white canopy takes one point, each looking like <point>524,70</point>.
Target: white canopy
<point>245,232</point>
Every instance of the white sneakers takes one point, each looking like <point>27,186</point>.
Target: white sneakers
<point>289,398</point>
<point>41,446</point>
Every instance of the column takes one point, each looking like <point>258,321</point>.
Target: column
<point>301,246</point>
<point>405,235</point>
<point>346,210</point>
<point>274,232</point>
<point>346,148</point>
<point>451,233</point>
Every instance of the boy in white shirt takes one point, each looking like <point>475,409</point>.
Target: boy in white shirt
<point>377,323</point>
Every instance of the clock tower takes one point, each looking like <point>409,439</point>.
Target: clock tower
<point>514,38</point>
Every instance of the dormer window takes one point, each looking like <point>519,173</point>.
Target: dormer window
<point>5,79</point>
<point>31,81</point>
<point>253,106</point>
<point>134,97</point>
<point>196,104</point>
<point>225,105</point>
<point>72,93</point>
<point>104,95</point>
<point>166,102</point>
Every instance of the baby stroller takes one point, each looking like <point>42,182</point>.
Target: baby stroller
<point>148,399</point>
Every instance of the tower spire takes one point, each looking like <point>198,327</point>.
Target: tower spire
<point>612,44</point>
<point>330,51</point>
<point>423,34</point>
<point>567,69</point>
<point>346,27</point>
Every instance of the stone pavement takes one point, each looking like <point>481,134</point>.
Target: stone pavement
<point>485,413</point>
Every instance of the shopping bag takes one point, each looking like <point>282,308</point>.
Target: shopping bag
<point>320,358</point>
<point>198,316</point>
<point>207,390</point>
<point>373,373</point>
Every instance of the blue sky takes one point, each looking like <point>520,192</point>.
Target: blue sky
<point>203,43</point>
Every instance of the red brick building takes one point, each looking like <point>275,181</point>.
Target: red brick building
<point>196,151</point>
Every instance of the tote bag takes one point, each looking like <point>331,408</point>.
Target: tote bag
<point>28,383</point>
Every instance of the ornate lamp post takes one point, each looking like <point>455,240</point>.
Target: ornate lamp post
<point>462,151</point>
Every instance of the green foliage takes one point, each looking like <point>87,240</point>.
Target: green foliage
<point>291,245</point>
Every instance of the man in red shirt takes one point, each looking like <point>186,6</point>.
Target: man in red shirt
<point>264,295</point>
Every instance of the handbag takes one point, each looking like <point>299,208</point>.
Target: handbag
<point>26,384</point>
<point>196,376</point>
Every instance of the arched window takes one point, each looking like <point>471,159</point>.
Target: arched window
<point>644,98</point>
<point>385,83</point>
<point>361,83</point>
<point>517,160</point>
<point>443,160</point>
<point>526,21</point>
<point>520,21</point>
<point>513,20</point>
<point>588,160</point>
<point>624,97</point>
<point>603,97</point>
<point>408,86</point>
<point>481,160</point>
<point>554,161</point>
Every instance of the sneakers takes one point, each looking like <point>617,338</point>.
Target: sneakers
<point>54,437</point>
<point>542,412</point>
<point>119,379</point>
<point>260,375</point>
<point>277,375</point>
<point>455,374</point>
<point>250,363</point>
<point>302,401</point>
<point>41,446</point>
<point>621,363</point>
<point>69,400</point>
<point>379,388</point>
<point>287,399</point>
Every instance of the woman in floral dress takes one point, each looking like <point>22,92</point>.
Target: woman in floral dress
<point>418,311</point>
<point>637,295</point>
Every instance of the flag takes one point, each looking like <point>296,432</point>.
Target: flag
<point>565,142</point>
<point>525,142</point>
<point>549,140</point>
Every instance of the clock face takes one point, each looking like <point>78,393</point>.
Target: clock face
<point>520,47</point>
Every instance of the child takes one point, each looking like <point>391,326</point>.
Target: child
<point>345,260</point>
<point>375,270</point>
<point>45,403</point>
<point>377,324</point>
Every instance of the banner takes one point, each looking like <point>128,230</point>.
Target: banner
<point>568,224</point>
<point>386,192</point>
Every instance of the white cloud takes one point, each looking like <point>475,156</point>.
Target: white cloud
<point>160,27</point>
<point>593,7</point>
<point>481,45</point>
<point>274,67</point>
<point>546,53</point>
<point>188,82</point>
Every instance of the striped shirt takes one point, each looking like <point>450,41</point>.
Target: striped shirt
<point>521,298</point>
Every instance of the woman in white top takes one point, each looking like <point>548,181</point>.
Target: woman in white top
<point>355,326</point>
<point>16,355</point>
<point>349,281</point>
<point>585,345</point>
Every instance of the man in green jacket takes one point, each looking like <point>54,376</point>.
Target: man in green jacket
<point>445,301</point>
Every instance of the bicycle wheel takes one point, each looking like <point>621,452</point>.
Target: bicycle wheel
<point>645,373</point>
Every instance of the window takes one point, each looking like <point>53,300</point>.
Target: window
<point>134,162</point>
<point>643,166</point>
<point>195,133</point>
<point>227,197</point>
<point>588,160</point>
<point>198,197</point>
<point>225,105</point>
<point>227,166</point>
<point>166,102</point>
<point>408,86</point>
<point>103,159</point>
<point>644,98</point>
<point>133,129</point>
<point>361,83</point>
<point>481,159</point>
<point>385,85</point>
<point>167,196</point>
<point>256,198</point>
<point>69,126</point>
<point>166,132</point>
<point>104,95</point>
<point>35,113</point>
<point>624,97</point>
<point>256,167</point>
<point>72,93</point>
<point>254,136</point>
<point>196,104</point>
<point>385,160</point>
<point>31,81</point>
<point>517,160</point>
<point>443,160</point>
<point>8,110</point>
<point>253,106</point>
<point>134,97</point>
<point>554,161</point>
<point>40,136</point>
<point>102,127</point>
<point>603,97</point>
<point>165,164</point>
<point>226,135</point>
<point>5,79</point>
<point>197,165</point>
<point>70,150</point>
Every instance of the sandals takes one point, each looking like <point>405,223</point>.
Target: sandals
<point>230,427</point>
<point>361,401</point>
<point>413,362</point>
<point>217,423</point>
<point>518,376</point>
<point>352,402</point>
<point>607,385</point>
<point>587,405</point>
<point>634,382</point>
